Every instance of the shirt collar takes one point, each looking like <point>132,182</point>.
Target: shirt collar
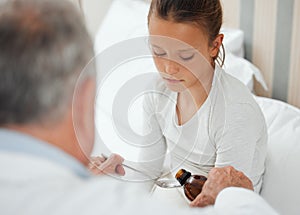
<point>21,143</point>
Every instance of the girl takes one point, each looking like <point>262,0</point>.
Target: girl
<point>213,120</point>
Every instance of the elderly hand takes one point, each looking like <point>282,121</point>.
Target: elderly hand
<point>218,179</point>
<point>111,165</point>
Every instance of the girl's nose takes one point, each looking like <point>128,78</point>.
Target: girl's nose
<point>171,68</point>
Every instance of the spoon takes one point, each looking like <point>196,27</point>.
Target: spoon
<point>167,183</point>
<point>161,182</point>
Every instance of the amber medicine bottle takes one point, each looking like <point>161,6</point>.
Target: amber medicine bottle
<point>192,184</point>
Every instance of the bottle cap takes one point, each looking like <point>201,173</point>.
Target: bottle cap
<point>182,175</point>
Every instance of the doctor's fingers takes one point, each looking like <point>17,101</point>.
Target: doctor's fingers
<point>229,177</point>
<point>113,165</point>
<point>97,170</point>
<point>207,196</point>
<point>217,180</point>
<point>202,200</point>
<point>96,161</point>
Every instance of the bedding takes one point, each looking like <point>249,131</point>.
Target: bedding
<point>281,187</point>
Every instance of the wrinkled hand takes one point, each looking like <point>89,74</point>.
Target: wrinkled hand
<point>218,179</point>
<point>111,165</point>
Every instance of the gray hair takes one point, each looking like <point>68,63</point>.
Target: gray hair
<point>44,46</point>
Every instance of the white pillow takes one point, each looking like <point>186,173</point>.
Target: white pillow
<point>281,186</point>
<point>125,19</point>
<point>243,70</point>
<point>235,64</point>
<point>234,41</point>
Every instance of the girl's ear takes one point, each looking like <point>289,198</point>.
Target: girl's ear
<point>216,44</point>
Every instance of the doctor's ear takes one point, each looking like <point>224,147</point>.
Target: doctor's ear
<point>215,46</point>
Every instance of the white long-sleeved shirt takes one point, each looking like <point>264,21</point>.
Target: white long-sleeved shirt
<point>37,178</point>
<point>228,129</point>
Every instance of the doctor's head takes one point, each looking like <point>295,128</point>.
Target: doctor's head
<point>196,24</point>
<point>44,47</point>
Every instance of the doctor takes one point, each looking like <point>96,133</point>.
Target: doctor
<point>45,142</point>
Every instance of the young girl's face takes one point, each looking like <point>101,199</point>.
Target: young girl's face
<point>181,53</point>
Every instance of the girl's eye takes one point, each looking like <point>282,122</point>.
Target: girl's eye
<point>187,57</point>
<point>159,54</point>
<point>158,51</point>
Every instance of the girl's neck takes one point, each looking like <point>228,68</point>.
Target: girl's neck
<point>195,95</point>
<point>190,100</point>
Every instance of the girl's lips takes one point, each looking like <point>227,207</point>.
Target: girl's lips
<point>172,81</point>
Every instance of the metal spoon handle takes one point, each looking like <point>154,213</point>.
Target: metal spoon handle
<point>159,182</point>
<point>129,167</point>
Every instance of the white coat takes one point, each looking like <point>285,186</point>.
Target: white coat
<point>36,178</point>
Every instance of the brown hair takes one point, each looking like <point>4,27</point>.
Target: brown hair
<point>207,14</point>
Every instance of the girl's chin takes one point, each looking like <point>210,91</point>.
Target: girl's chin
<point>176,87</point>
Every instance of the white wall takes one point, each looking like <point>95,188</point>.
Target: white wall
<point>94,12</point>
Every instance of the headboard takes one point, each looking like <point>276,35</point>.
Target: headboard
<point>272,33</point>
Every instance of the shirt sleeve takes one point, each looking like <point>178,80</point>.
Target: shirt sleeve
<point>240,141</point>
<point>153,149</point>
<point>235,200</point>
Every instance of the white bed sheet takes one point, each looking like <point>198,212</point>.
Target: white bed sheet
<point>281,187</point>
